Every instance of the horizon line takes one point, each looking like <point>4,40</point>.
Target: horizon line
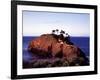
<point>40,35</point>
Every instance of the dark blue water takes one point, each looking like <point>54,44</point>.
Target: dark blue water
<point>81,42</point>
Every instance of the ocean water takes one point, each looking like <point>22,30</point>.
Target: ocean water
<point>81,42</point>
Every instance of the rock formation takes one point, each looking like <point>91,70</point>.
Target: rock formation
<point>49,45</point>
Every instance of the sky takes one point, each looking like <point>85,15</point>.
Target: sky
<point>36,23</point>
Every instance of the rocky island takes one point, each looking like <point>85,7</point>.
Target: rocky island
<point>55,50</point>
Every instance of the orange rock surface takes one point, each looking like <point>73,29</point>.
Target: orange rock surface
<point>48,44</point>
